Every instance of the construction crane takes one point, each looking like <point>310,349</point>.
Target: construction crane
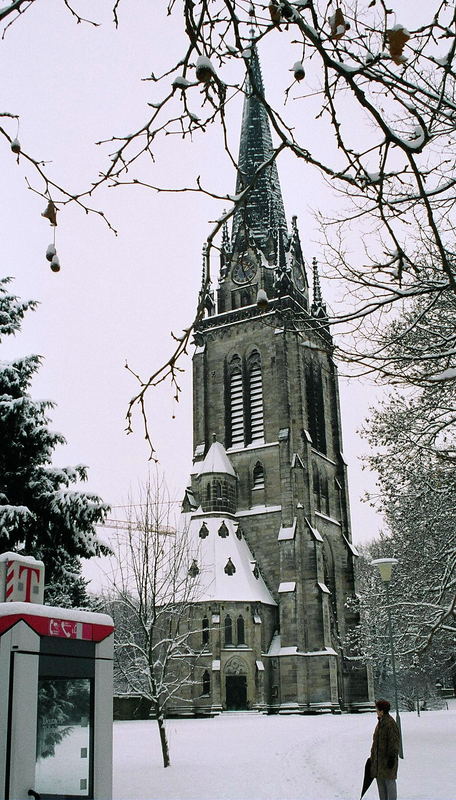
<point>125,525</point>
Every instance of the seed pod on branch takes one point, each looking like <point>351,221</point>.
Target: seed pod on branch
<point>50,213</point>
<point>397,37</point>
<point>51,252</point>
<point>275,12</point>
<point>287,11</point>
<point>204,69</point>
<point>338,24</point>
<point>55,263</point>
<point>298,70</point>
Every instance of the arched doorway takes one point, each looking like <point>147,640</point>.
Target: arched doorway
<point>236,685</point>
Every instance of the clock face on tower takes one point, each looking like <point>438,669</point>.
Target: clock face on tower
<point>244,269</point>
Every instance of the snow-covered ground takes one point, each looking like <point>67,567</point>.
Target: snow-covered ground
<point>253,757</point>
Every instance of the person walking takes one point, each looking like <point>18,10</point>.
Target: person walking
<point>385,752</point>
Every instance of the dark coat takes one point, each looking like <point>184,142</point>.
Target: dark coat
<point>385,749</point>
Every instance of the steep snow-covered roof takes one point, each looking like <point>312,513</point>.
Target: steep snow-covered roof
<point>216,460</point>
<point>227,568</point>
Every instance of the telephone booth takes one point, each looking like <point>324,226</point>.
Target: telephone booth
<point>55,692</point>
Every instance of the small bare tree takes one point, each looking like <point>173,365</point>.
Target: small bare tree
<point>153,588</point>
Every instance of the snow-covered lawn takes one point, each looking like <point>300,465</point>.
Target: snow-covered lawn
<point>254,757</point>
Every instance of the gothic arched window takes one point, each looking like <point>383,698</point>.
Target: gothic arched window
<point>240,629</point>
<point>205,631</point>
<point>315,406</point>
<point>236,402</point>
<point>255,392</point>
<point>228,630</point>
<point>258,476</point>
<point>206,682</point>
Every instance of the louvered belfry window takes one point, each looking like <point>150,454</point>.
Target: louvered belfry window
<point>236,402</point>
<point>255,398</point>
<point>316,407</point>
<point>258,476</point>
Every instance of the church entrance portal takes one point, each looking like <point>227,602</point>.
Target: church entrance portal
<point>236,692</point>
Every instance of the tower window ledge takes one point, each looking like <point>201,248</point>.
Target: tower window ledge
<point>252,446</point>
<point>330,519</point>
<point>350,546</point>
<point>258,510</point>
<point>287,586</point>
<point>323,456</point>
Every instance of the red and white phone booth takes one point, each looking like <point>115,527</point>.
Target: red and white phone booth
<point>55,692</point>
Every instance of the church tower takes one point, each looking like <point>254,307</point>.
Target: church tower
<point>265,386</point>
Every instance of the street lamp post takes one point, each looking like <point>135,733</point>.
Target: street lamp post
<point>385,568</point>
<point>415,665</point>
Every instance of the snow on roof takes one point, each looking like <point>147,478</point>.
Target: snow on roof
<point>190,498</point>
<point>52,612</point>
<point>23,559</point>
<point>217,461</point>
<point>224,562</point>
<point>328,651</point>
<point>275,649</point>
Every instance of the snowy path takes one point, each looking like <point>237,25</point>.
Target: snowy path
<point>255,757</point>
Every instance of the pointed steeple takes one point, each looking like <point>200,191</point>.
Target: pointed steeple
<point>318,308</point>
<point>295,246</point>
<point>225,237</point>
<point>206,293</point>
<point>317,297</point>
<point>225,250</point>
<point>263,208</point>
<point>262,255</point>
<point>216,460</point>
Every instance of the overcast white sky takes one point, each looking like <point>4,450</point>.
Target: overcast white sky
<point>118,298</point>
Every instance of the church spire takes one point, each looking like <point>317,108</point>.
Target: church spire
<point>206,294</point>
<point>263,208</point>
<point>318,306</point>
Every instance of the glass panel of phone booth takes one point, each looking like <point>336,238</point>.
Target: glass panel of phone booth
<point>64,763</point>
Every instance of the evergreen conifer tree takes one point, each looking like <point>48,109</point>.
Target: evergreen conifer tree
<point>40,513</point>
